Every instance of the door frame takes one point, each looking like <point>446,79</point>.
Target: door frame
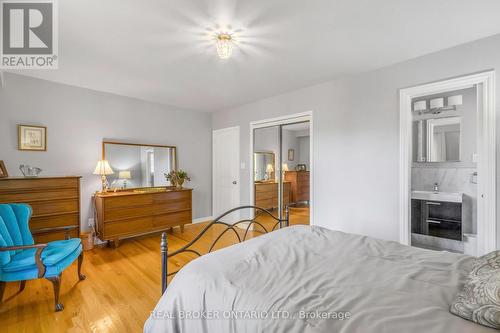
<point>233,128</point>
<point>284,120</point>
<point>486,164</point>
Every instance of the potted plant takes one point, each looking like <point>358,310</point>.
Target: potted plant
<point>177,178</point>
<point>182,176</point>
<point>172,178</point>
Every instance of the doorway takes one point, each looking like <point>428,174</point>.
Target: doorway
<point>281,168</point>
<point>448,165</point>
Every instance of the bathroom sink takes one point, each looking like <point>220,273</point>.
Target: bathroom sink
<point>437,196</point>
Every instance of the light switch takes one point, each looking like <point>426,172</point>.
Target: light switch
<point>474,157</point>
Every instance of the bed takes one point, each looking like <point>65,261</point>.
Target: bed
<point>311,279</point>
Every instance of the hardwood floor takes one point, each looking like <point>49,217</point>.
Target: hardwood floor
<point>122,286</point>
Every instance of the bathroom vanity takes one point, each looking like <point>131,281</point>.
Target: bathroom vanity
<point>437,214</point>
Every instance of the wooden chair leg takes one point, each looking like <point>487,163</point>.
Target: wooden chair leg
<point>80,261</point>
<point>2,289</point>
<point>56,282</point>
<point>22,286</point>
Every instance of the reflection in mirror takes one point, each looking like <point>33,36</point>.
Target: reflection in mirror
<point>437,140</point>
<point>264,166</point>
<point>443,139</point>
<point>138,165</point>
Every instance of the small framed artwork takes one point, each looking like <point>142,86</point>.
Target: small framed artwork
<point>3,170</point>
<point>291,154</point>
<point>32,137</point>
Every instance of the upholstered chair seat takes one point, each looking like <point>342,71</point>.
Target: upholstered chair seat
<point>21,259</point>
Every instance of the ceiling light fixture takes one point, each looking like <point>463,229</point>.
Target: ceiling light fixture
<point>437,105</point>
<point>224,44</point>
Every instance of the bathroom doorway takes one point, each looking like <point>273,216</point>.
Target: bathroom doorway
<point>281,172</point>
<point>448,165</point>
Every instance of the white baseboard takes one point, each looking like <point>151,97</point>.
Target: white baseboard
<point>203,219</point>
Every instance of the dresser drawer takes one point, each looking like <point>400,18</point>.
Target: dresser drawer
<point>172,219</point>
<point>128,227</point>
<point>38,195</point>
<point>172,206</point>
<point>30,184</point>
<point>266,195</point>
<point>54,221</point>
<point>128,213</point>
<point>125,201</point>
<point>49,237</point>
<point>302,176</point>
<point>55,207</point>
<point>260,188</point>
<point>172,196</point>
<point>266,203</point>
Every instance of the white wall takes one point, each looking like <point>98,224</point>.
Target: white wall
<point>356,135</point>
<point>304,150</point>
<point>79,119</point>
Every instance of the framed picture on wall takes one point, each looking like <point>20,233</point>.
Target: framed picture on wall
<point>32,138</point>
<point>3,170</point>
<point>291,154</point>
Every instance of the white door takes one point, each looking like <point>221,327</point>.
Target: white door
<point>226,171</point>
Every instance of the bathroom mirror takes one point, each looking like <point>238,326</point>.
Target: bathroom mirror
<point>437,139</point>
<point>138,165</point>
<point>264,167</point>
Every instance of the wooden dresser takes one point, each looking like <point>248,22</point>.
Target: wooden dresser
<point>137,212</point>
<point>55,202</point>
<point>266,194</point>
<point>300,185</point>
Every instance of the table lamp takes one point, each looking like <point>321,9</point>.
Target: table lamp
<point>269,171</point>
<point>124,174</point>
<point>103,169</point>
<point>284,169</point>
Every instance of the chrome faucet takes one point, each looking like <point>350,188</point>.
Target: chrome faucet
<point>436,187</point>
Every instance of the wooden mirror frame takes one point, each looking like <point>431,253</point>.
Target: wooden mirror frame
<point>104,142</point>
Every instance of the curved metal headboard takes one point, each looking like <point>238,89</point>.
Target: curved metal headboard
<point>187,248</point>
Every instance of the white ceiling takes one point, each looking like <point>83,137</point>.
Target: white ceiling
<point>160,50</point>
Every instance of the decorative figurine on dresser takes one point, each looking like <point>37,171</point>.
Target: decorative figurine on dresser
<point>143,202</point>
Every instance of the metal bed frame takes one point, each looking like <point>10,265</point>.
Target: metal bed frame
<point>187,248</point>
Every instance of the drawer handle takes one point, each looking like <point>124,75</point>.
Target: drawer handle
<point>433,203</point>
<point>433,221</point>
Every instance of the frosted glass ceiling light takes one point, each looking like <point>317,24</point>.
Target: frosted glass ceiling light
<point>420,106</point>
<point>437,103</point>
<point>455,100</point>
<point>224,44</point>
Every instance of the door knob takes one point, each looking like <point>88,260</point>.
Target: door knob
<point>235,182</point>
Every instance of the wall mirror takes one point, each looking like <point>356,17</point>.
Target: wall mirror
<point>264,166</point>
<point>437,139</point>
<point>138,165</point>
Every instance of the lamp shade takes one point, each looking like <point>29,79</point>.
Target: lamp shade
<point>437,103</point>
<point>103,168</point>
<point>420,106</point>
<point>125,174</point>
<point>269,168</point>
<point>285,167</point>
<point>455,100</point>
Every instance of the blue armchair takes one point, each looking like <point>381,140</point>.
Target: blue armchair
<point>21,259</point>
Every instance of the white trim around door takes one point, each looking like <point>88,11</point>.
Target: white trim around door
<point>284,120</point>
<point>486,164</point>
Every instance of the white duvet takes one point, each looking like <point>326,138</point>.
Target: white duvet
<point>310,279</point>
